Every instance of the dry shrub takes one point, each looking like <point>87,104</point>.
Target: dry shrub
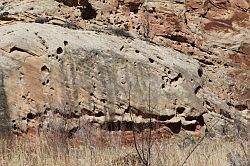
<point>87,148</point>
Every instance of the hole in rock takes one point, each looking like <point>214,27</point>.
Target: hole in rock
<point>30,116</point>
<point>200,72</point>
<point>46,111</point>
<point>88,12</point>
<point>180,110</point>
<point>17,49</point>
<point>99,114</point>
<point>200,120</point>
<point>56,111</point>
<point>197,89</point>
<point>190,127</point>
<point>45,68</point>
<point>65,43</point>
<point>208,103</point>
<point>134,7</point>
<point>59,50</point>
<point>176,78</point>
<point>163,117</point>
<point>137,51</point>
<point>162,86</point>
<point>174,127</point>
<point>241,107</point>
<point>103,100</point>
<point>159,57</point>
<point>124,126</point>
<point>121,48</point>
<point>151,60</point>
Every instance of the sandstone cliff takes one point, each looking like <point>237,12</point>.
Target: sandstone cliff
<point>66,62</point>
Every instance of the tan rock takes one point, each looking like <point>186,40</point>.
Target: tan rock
<point>216,33</point>
<point>67,71</point>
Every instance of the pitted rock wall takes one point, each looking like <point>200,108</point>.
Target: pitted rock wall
<point>100,78</point>
<point>212,33</point>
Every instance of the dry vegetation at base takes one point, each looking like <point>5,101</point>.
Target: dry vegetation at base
<point>57,150</point>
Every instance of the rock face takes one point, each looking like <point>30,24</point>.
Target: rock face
<point>54,76</point>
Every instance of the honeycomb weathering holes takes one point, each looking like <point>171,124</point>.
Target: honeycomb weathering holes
<point>151,60</point>
<point>30,116</point>
<point>86,8</point>
<point>44,68</point>
<point>59,50</point>
<point>65,43</point>
<point>88,12</point>
<point>180,110</point>
<point>200,72</point>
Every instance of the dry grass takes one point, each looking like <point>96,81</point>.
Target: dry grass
<point>57,150</point>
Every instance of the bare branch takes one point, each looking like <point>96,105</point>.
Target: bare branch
<point>133,129</point>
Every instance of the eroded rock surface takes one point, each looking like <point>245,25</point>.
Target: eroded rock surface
<point>59,76</point>
<point>58,69</point>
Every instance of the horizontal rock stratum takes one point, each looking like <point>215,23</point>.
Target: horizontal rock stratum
<point>53,73</point>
